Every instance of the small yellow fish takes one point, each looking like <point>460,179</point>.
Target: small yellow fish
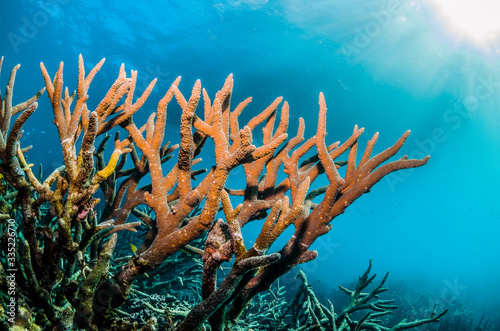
<point>133,248</point>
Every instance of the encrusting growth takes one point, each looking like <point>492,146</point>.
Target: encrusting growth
<point>77,243</point>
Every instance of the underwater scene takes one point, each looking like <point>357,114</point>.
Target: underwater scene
<point>250,165</point>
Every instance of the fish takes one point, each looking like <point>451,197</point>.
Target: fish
<point>345,88</point>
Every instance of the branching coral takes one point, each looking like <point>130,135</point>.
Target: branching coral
<point>71,237</point>
<point>310,314</point>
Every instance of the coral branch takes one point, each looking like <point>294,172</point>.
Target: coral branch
<point>67,235</point>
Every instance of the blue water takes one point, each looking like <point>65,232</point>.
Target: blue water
<point>436,226</point>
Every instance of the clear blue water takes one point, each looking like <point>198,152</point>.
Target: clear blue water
<point>437,226</point>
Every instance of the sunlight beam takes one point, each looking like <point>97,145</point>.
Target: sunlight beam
<point>477,20</point>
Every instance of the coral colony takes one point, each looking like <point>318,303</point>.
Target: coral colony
<point>58,238</point>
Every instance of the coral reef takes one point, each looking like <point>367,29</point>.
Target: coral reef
<point>65,274</point>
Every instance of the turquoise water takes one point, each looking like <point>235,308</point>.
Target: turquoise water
<point>388,66</point>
